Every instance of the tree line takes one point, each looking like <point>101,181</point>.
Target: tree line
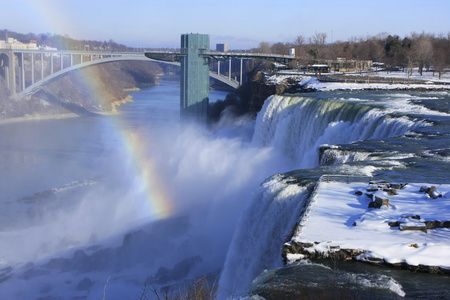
<point>64,42</point>
<point>418,50</point>
<point>424,51</point>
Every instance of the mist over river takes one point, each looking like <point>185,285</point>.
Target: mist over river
<point>123,205</point>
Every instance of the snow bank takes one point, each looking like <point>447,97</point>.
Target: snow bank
<point>338,218</point>
<point>306,80</point>
<point>332,86</point>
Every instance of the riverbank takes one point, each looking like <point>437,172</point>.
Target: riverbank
<point>29,118</point>
<point>305,82</point>
<point>409,229</point>
<point>40,117</point>
<point>263,84</point>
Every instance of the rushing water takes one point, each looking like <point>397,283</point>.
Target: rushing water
<point>126,204</point>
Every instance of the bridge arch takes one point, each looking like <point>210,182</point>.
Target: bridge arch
<point>4,65</point>
<point>6,72</point>
<point>39,84</point>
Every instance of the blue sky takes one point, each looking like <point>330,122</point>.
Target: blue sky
<point>240,23</point>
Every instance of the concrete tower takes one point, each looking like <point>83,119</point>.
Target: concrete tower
<point>194,97</point>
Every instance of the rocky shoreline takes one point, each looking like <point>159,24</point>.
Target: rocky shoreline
<point>40,117</point>
<point>263,84</point>
<point>298,250</point>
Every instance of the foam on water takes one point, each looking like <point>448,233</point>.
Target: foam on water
<point>296,126</point>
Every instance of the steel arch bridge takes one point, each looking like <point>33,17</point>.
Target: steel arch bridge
<point>194,60</point>
<point>58,59</point>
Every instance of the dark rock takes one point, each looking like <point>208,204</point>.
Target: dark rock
<point>431,191</point>
<point>424,189</point>
<point>394,223</point>
<point>434,194</point>
<point>373,204</point>
<point>415,217</point>
<point>358,193</point>
<point>437,224</point>
<point>85,284</point>
<point>377,201</point>
<point>179,271</point>
<point>350,254</point>
<point>374,260</point>
<point>377,182</point>
<point>397,186</point>
<point>419,226</point>
<point>391,191</point>
<point>381,201</point>
<point>432,188</point>
<point>369,195</point>
<point>335,253</point>
<point>419,268</point>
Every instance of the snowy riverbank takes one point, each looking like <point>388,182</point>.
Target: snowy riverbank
<point>339,221</point>
<point>308,81</point>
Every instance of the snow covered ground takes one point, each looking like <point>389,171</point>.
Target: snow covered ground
<point>331,86</point>
<point>431,82</point>
<point>339,217</point>
<point>427,76</point>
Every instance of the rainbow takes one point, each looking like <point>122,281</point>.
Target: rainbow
<point>157,199</point>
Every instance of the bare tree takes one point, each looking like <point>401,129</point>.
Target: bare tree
<point>317,42</point>
<point>371,49</point>
<point>299,41</point>
<point>319,38</point>
<point>441,54</point>
<point>264,47</point>
<point>280,48</point>
<point>300,50</point>
<point>422,50</point>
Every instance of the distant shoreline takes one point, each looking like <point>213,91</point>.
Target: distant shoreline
<point>31,118</point>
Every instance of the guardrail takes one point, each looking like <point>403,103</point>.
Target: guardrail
<point>329,177</point>
<point>373,78</point>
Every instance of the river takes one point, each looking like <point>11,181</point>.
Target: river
<point>121,205</point>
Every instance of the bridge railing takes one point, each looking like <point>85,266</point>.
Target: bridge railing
<point>76,52</point>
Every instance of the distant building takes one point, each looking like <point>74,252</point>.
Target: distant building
<point>350,65</point>
<point>221,47</point>
<point>14,44</point>
<point>378,65</point>
<point>47,48</point>
<point>319,69</point>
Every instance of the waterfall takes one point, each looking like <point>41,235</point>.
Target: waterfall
<point>334,155</point>
<point>265,226</point>
<point>296,126</point>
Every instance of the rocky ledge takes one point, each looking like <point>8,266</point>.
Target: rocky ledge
<point>377,211</point>
<point>293,251</point>
<point>264,84</point>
